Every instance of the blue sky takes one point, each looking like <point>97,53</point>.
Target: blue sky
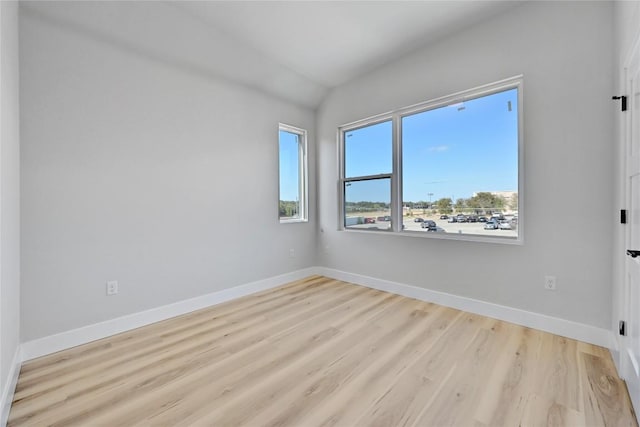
<point>288,166</point>
<point>450,151</point>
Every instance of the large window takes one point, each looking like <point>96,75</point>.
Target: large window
<point>293,174</point>
<point>448,168</point>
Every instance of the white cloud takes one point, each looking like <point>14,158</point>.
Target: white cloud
<point>439,148</point>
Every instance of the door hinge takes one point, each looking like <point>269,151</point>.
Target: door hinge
<point>633,253</point>
<point>623,103</point>
<point>623,216</point>
<point>622,327</point>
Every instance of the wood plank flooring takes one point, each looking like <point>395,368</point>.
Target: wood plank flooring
<point>320,352</point>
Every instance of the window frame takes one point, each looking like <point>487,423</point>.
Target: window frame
<point>342,168</point>
<point>303,173</point>
<point>396,116</point>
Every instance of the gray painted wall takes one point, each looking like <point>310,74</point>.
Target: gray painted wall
<point>137,169</point>
<point>9,190</point>
<point>140,170</point>
<point>564,51</point>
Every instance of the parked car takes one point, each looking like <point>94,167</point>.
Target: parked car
<point>461,218</point>
<point>369,220</point>
<point>418,220</point>
<point>472,218</point>
<point>384,218</point>
<point>444,216</point>
<point>504,225</point>
<point>491,225</point>
<point>482,219</point>
<point>429,224</point>
<point>452,219</point>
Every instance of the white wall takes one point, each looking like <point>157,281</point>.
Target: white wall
<point>138,169</point>
<point>626,32</point>
<point>9,197</point>
<point>564,51</point>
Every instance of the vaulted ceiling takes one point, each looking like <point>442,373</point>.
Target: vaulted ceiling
<point>296,50</point>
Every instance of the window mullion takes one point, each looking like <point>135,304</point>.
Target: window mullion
<point>396,176</point>
<point>302,176</point>
<point>368,177</point>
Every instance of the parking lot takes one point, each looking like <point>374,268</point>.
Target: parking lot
<point>443,226</point>
<point>458,227</point>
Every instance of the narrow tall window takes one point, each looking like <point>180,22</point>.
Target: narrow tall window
<point>293,174</point>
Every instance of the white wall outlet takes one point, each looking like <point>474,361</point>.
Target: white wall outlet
<point>292,253</point>
<point>550,283</point>
<point>112,287</point>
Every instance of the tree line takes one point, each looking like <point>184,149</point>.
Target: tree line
<point>366,206</point>
<point>289,208</point>
<point>481,202</point>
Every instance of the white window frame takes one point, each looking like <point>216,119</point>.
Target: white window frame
<point>303,185</point>
<point>396,116</point>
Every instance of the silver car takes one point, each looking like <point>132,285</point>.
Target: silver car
<point>491,225</point>
<point>504,225</point>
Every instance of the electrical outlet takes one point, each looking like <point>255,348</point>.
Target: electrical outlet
<point>550,283</point>
<point>292,253</point>
<point>112,287</point>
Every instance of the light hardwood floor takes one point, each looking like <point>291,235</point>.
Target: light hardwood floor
<point>324,352</point>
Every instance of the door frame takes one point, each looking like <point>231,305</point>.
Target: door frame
<point>624,308</point>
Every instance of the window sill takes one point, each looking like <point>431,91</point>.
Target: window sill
<point>518,241</point>
<point>292,221</point>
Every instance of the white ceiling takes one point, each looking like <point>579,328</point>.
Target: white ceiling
<point>331,42</point>
<point>296,50</point>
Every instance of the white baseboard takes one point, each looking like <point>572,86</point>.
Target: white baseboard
<point>554,325</point>
<point>558,326</point>
<point>53,343</point>
<point>633,385</point>
<point>9,387</point>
